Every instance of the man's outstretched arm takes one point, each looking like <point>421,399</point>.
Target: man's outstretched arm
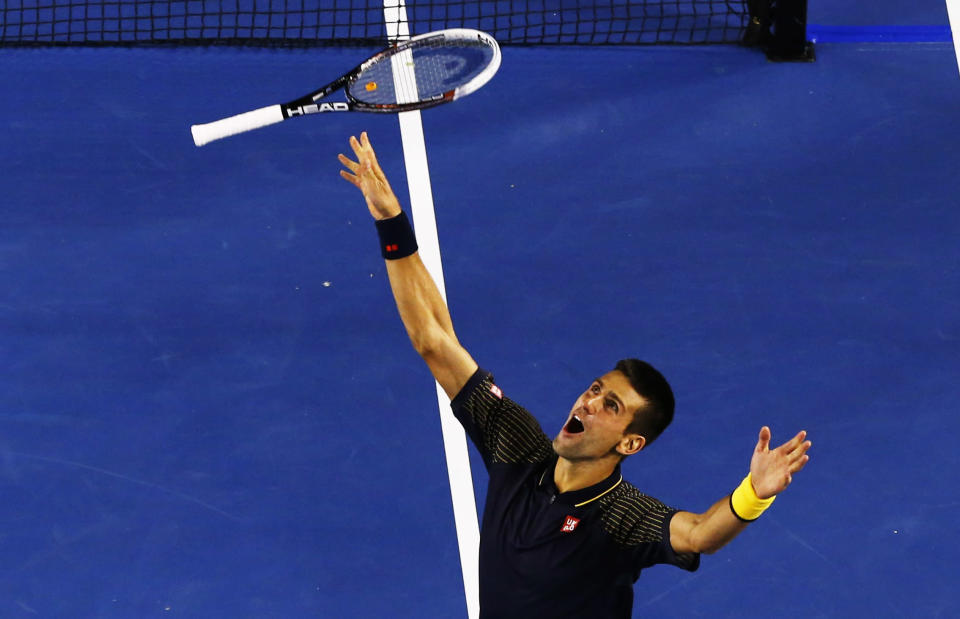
<point>422,310</point>
<point>771,471</point>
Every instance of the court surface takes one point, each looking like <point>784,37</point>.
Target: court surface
<point>209,407</point>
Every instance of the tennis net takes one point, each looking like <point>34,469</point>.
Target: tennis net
<point>361,22</point>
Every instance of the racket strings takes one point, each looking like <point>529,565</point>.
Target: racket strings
<point>404,77</point>
<point>422,72</point>
<point>375,85</point>
<point>442,68</point>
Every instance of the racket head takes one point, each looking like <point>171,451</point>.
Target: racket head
<point>426,70</point>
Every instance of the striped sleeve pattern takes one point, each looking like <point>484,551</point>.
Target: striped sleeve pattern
<point>632,518</point>
<point>503,431</point>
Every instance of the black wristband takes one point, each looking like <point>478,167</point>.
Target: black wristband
<point>396,237</point>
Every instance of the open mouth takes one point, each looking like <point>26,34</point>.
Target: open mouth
<point>574,426</point>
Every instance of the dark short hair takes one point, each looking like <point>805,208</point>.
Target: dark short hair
<point>652,419</point>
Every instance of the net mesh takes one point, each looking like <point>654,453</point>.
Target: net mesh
<point>361,22</point>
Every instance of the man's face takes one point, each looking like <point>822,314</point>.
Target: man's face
<point>596,424</point>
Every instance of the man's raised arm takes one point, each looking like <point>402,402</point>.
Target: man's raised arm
<point>421,307</point>
<point>771,471</point>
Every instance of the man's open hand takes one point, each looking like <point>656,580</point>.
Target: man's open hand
<point>366,175</point>
<point>772,470</point>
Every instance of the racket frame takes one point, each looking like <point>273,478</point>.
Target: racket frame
<point>313,104</point>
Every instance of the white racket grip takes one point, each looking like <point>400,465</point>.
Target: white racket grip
<point>225,127</point>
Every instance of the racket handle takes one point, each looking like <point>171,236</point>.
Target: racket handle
<point>225,127</point>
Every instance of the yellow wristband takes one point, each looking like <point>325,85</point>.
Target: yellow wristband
<point>744,502</point>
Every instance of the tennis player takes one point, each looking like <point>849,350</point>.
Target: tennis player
<point>563,534</point>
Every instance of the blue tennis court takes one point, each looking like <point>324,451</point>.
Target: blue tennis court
<point>209,406</point>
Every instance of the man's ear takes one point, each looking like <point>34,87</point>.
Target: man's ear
<point>631,444</point>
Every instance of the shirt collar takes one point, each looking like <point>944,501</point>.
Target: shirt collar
<point>583,496</point>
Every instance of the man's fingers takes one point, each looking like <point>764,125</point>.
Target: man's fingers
<point>799,464</point>
<point>799,452</point>
<point>798,444</point>
<point>357,148</point>
<point>365,142</point>
<point>360,170</point>
<point>763,442</point>
<point>371,156</point>
<point>349,163</point>
<point>362,147</point>
<point>365,155</point>
<point>793,443</point>
<point>356,180</point>
<point>801,449</point>
<point>351,178</point>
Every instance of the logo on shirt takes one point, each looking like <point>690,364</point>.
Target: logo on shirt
<point>569,524</point>
<point>496,391</point>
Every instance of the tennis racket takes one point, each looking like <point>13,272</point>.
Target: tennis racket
<point>421,72</point>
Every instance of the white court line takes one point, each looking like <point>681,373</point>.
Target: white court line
<point>421,206</point>
<point>953,14</point>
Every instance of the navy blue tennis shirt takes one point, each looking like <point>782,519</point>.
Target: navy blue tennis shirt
<point>549,554</point>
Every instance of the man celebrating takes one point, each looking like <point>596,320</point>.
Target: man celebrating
<point>562,535</point>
